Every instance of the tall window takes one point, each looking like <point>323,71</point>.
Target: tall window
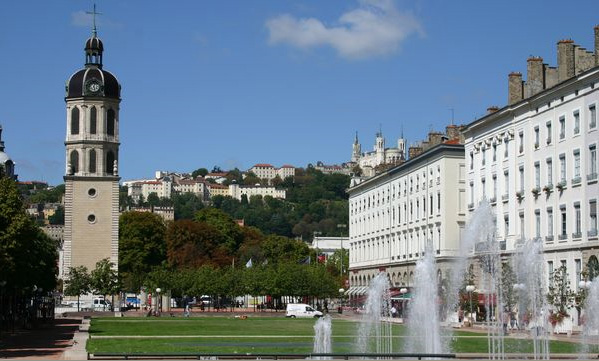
<point>592,116</point>
<point>522,230</point>
<point>593,161</point>
<point>484,157</point>
<point>562,165</point>
<point>564,225</point>
<point>576,163</point>
<point>521,136</point>
<point>506,178</point>
<point>549,171</point>
<point>471,192</point>
<point>483,184</point>
<point>494,186</point>
<point>506,225</point>
<point>506,149</point>
<point>577,223</point>
<point>537,175</point>
<point>576,122</point>
<point>431,205</point>
<point>550,221</point>
<point>110,122</point>
<point>521,171</point>
<point>538,223</point>
<point>578,266</point>
<point>550,269</point>
<point>471,160</point>
<point>75,120</point>
<point>110,162</point>
<point>548,124</point>
<point>562,127</point>
<point>92,161</point>
<point>537,137</point>
<point>593,217</point>
<point>438,202</point>
<point>93,115</point>
<point>74,162</point>
<point>494,152</point>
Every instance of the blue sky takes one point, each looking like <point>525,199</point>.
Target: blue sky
<point>234,83</point>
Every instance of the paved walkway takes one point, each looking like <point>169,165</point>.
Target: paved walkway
<point>47,342</point>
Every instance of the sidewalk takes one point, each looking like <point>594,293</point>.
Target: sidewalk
<point>47,342</point>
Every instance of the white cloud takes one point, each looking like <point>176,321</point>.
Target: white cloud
<point>375,28</point>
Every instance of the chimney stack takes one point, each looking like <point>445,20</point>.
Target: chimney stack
<point>515,87</point>
<point>596,45</point>
<point>535,76</point>
<point>565,58</point>
<point>414,151</point>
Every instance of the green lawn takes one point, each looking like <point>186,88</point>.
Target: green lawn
<point>258,335</point>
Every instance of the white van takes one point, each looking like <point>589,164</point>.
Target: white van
<point>301,310</point>
<point>100,304</point>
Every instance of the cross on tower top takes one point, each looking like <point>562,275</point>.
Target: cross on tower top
<point>93,13</point>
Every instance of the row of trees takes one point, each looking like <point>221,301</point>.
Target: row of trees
<point>103,280</point>
<point>212,239</point>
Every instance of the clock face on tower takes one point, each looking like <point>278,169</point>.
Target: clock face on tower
<point>93,86</point>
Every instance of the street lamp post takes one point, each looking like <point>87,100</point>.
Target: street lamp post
<point>341,292</point>
<point>470,289</point>
<point>158,302</point>
<point>403,292</point>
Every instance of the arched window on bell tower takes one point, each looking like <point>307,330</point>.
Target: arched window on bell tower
<point>110,162</point>
<point>92,161</point>
<point>75,120</point>
<point>74,162</point>
<point>110,120</point>
<point>93,115</point>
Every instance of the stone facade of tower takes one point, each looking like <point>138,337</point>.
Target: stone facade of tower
<point>92,153</point>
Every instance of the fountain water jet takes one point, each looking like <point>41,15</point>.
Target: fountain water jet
<point>530,274</point>
<point>424,326</point>
<point>322,336</point>
<point>590,331</point>
<point>374,334</point>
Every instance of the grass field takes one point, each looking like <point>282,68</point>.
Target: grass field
<point>258,335</point>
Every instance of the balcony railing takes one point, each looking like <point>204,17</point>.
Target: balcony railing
<point>561,237</point>
<point>536,190</point>
<point>576,180</point>
<point>548,188</point>
<point>520,195</point>
<point>493,200</point>
<point>577,235</point>
<point>592,177</point>
<point>592,233</point>
<point>505,197</point>
<point>562,184</point>
<point>549,238</point>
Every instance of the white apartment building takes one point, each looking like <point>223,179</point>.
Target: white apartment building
<point>535,160</point>
<point>394,214</point>
<point>194,186</point>
<point>269,172</point>
<point>237,191</point>
<point>162,187</point>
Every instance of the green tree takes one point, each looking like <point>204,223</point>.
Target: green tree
<point>230,232</point>
<point>79,283</point>
<point>186,205</point>
<point>27,255</point>
<point>58,216</point>
<point>279,249</point>
<point>560,295</point>
<point>199,172</point>
<point>508,279</point>
<point>153,199</point>
<point>104,279</point>
<point>142,246</point>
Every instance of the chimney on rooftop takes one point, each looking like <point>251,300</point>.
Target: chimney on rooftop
<point>515,87</point>
<point>535,76</point>
<point>565,59</point>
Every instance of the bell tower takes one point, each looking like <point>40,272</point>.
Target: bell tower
<point>92,153</point>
